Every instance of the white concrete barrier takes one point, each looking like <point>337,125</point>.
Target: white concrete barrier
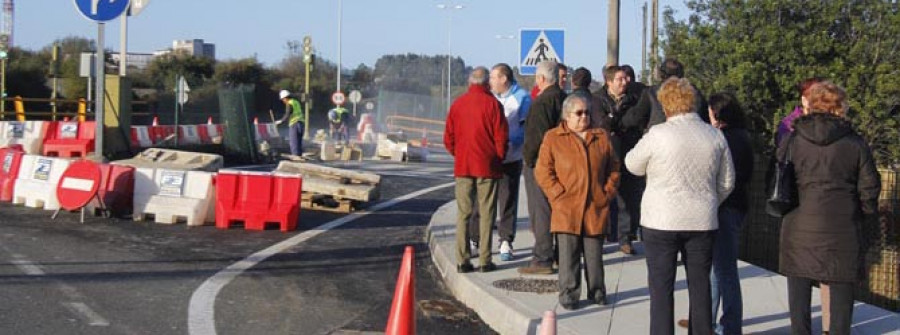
<point>30,134</point>
<point>38,177</point>
<point>173,196</point>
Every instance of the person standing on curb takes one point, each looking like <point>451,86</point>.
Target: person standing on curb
<point>613,101</point>
<point>294,115</point>
<point>579,172</point>
<point>515,101</point>
<point>543,115</point>
<point>726,114</point>
<point>476,134</point>
<point>837,186</point>
<point>689,174</point>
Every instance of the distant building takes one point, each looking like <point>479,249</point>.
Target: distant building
<point>138,60</point>
<point>195,47</point>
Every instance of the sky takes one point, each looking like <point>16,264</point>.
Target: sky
<point>370,28</point>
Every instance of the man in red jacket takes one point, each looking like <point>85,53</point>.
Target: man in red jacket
<point>476,135</point>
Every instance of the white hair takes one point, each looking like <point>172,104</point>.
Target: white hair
<point>568,105</point>
<point>549,70</point>
<point>479,76</point>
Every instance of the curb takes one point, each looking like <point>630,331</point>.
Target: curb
<point>499,313</point>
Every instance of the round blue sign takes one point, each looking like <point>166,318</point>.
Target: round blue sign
<point>101,10</point>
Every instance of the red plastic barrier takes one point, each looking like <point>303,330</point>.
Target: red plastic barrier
<point>117,188</point>
<point>257,198</point>
<point>9,171</point>
<point>70,139</point>
<point>160,133</point>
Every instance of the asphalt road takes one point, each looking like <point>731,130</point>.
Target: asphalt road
<point>113,276</point>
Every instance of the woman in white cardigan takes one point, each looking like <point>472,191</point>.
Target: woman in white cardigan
<point>689,173</point>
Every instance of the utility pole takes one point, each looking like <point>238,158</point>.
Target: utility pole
<point>654,40</point>
<point>644,45</point>
<point>307,61</point>
<point>612,36</point>
<point>54,72</point>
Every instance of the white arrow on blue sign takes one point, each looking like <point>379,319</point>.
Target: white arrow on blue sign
<point>101,10</point>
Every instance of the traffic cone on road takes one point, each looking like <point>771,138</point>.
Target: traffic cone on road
<point>548,323</point>
<point>209,120</point>
<point>402,320</point>
<point>155,121</point>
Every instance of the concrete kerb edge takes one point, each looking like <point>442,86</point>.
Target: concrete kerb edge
<point>497,312</point>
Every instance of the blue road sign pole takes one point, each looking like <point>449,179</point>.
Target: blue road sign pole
<point>101,11</point>
<point>101,91</point>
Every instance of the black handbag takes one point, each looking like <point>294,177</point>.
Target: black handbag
<point>783,196</point>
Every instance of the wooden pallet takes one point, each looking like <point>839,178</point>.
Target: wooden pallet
<point>327,203</point>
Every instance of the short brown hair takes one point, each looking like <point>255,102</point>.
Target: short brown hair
<point>676,95</point>
<point>609,72</point>
<point>826,97</point>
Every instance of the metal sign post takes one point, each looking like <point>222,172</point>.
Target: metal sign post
<point>100,12</point>
<point>100,91</point>
<point>355,97</point>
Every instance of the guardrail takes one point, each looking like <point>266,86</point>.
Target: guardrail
<point>81,112</point>
<point>415,125</point>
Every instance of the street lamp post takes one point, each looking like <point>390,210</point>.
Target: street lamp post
<point>515,61</point>
<point>449,53</point>
<point>340,19</point>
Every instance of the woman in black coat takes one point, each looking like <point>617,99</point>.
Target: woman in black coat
<point>838,186</point>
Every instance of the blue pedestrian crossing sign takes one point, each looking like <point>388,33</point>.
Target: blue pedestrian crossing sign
<point>101,10</point>
<point>537,45</point>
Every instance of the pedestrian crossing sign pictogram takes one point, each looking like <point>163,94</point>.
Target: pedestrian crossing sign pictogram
<point>537,45</point>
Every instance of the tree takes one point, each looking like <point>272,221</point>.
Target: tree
<point>26,74</point>
<point>164,70</point>
<point>70,48</point>
<point>760,50</point>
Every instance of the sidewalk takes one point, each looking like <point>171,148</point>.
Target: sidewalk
<point>628,312</point>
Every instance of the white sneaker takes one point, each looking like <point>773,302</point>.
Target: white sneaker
<point>506,251</point>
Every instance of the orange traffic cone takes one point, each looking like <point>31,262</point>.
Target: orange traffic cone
<point>209,120</point>
<point>548,323</point>
<point>402,319</point>
<point>155,121</point>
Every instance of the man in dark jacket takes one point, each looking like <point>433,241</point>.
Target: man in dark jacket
<point>613,102</point>
<point>476,135</point>
<point>648,111</point>
<point>544,114</point>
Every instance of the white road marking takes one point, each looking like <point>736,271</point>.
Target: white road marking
<point>87,313</point>
<point>201,310</point>
<point>28,267</point>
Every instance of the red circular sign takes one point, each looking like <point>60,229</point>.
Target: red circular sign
<point>338,98</point>
<point>78,185</point>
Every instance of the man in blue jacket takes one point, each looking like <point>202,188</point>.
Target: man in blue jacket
<point>515,101</point>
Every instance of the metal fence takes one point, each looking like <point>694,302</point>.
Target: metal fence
<point>881,287</point>
<point>414,114</point>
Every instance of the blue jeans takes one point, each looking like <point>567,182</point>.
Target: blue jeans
<point>724,280</point>
<point>295,139</point>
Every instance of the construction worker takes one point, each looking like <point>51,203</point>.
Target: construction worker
<point>338,119</point>
<point>294,115</point>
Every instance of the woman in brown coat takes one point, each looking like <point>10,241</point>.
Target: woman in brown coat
<point>578,171</point>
